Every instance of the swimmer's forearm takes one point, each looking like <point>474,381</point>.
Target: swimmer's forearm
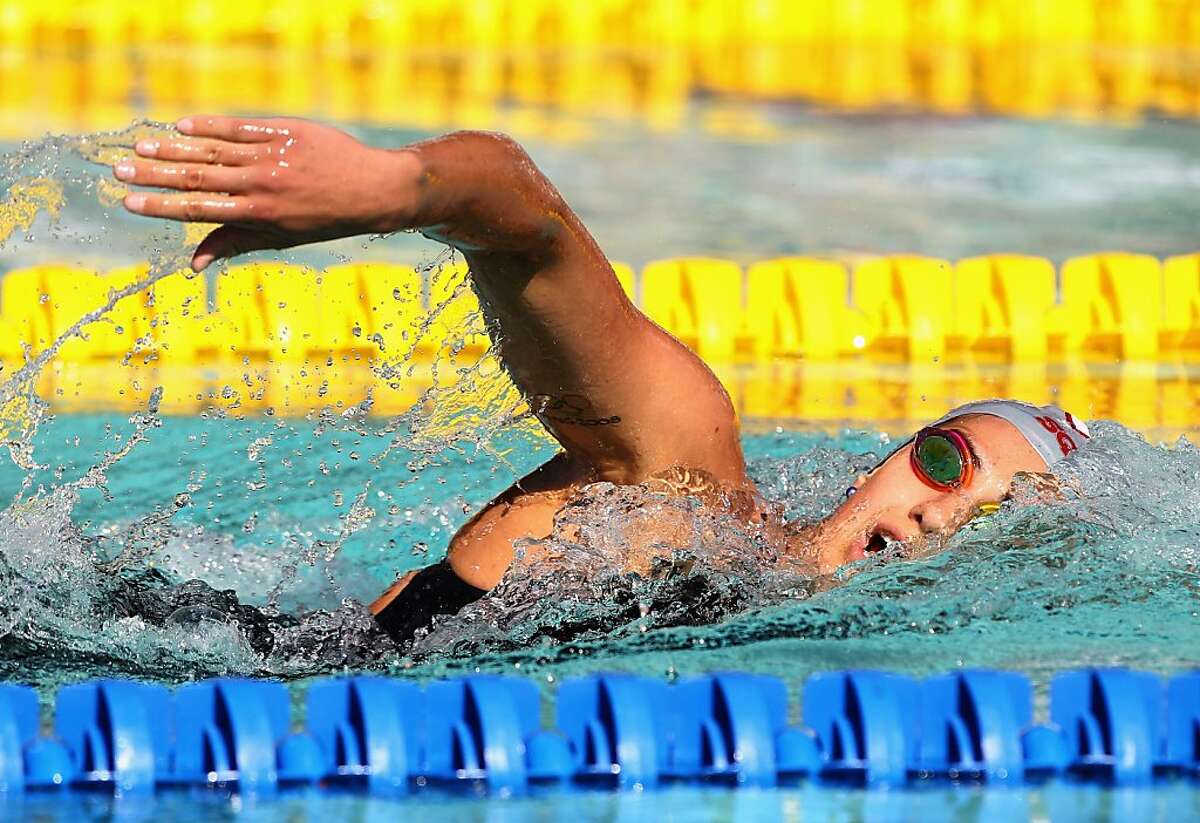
<point>480,192</point>
<point>277,183</point>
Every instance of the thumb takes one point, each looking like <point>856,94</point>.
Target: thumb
<point>229,241</point>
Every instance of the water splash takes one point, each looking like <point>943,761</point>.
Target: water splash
<point>25,200</point>
<point>103,592</point>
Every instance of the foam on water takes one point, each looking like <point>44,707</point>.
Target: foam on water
<point>171,548</point>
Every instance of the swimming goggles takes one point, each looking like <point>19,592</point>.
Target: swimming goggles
<point>942,459</point>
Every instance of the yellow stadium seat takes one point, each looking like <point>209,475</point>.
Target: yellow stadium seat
<point>291,310</point>
<point>180,325</point>
<point>798,307</point>
<point>395,307</point>
<point>270,310</point>
<point>906,301</point>
<point>372,309</point>
<point>1111,305</point>
<point>75,293</point>
<point>1132,25</point>
<point>343,320</point>
<point>456,321</point>
<point>699,300</point>
<point>239,320</point>
<point>72,293</point>
<point>942,57</point>
<point>129,319</point>
<point>1181,303</point>
<point>1001,303</point>
<point>547,22</point>
<point>25,304</point>
<point>11,350</point>
<point>626,278</point>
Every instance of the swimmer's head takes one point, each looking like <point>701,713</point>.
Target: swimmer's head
<point>958,467</point>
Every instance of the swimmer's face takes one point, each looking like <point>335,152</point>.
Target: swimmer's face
<point>893,503</point>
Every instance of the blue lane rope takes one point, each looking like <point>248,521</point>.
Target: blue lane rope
<point>866,728</point>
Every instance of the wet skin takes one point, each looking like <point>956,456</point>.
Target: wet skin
<point>628,403</point>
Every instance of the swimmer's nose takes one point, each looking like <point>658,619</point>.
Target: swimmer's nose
<point>934,516</point>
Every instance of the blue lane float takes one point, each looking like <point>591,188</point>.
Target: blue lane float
<point>1183,723</point>
<point>367,730</point>
<point>874,729</point>
<point>229,731</point>
<point>733,728</point>
<point>1113,723</point>
<point>866,724</point>
<point>972,725</point>
<point>118,733</point>
<point>487,728</point>
<point>617,727</point>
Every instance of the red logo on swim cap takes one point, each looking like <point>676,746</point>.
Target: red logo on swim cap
<point>1064,440</point>
<point>1071,422</point>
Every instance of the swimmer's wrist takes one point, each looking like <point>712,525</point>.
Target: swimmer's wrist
<point>396,205</point>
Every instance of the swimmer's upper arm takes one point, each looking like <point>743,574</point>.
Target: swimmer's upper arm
<point>615,389</point>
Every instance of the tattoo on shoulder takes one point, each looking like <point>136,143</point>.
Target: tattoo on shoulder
<point>572,409</point>
<point>679,480</point>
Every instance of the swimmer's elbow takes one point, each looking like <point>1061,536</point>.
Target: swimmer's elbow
<point>496,144</point>
<point>491,156</point>
<point>481,191</point>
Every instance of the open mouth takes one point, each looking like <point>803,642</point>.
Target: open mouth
<point>876,543</point>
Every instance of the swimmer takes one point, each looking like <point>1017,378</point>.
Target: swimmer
<point>628,402</point>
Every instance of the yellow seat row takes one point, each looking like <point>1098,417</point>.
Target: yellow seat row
<point>259,313</point>
<point>106,88</point>
<point>1162,400</point>
<point>999,308</point>
<point>611,22</point>
<point>903,308</point>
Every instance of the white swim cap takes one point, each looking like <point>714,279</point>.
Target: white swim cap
<point>1052,432</point>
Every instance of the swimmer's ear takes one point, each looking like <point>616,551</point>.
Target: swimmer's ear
<point>229,241</point>
<point>1039,487</point>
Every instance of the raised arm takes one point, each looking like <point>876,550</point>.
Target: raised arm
<point>622,396</point>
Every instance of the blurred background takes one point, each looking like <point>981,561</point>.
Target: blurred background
<point>554,68</point>
<point>856,210</point>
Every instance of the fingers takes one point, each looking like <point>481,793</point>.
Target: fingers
<point>228,241</point>
<point>192,208</point>
<point>227,141</point>
<point>200,150</point>
<point>185,176</point>
<point>232,129</point>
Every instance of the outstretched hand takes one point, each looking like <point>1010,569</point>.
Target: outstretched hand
<point>272,184</point>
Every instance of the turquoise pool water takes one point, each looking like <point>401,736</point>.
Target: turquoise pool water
<point>1061,804</point>
<point>1108,578</point>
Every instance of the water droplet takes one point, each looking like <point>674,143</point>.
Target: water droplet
<point>195,617</point>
